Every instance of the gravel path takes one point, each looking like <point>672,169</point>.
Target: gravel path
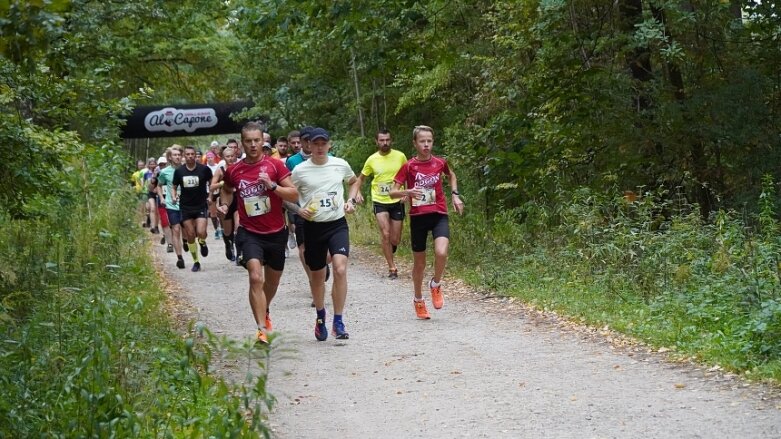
<point>481,367</point>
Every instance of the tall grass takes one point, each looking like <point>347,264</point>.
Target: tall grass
<point>87,346</point>
<point>651,268</point>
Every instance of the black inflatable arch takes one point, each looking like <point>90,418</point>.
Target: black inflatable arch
<point>184,120</point>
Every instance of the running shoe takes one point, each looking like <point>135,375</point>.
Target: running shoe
<point>420,310</point>
<point>261,337</point>
<point>437,299</point>
<point>269,326</point>
<point>204,250</point>
<point>162,240</point>
<point>169,249</point>
<point>287,252</point>
<point>393,274</point>
<point>196,267</point>
<point>154,230</point>
<point>185,247</point>
<point>338,331</point>
<point>327,272</point>
<point>321,332</point>
<point>180,263</point>
<point>291,241</point>
<point>229,253</point>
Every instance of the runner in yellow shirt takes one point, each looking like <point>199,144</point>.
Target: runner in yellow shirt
<point>383,165</point>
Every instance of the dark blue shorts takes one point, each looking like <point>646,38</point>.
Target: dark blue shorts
<point>174,217</point>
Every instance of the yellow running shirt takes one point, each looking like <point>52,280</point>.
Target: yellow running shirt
<point>384,169</point>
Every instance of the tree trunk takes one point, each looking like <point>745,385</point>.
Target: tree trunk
<point>357,93</point>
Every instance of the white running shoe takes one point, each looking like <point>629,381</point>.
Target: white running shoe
<point>291,241</point>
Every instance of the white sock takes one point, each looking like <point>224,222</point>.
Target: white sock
<point>433,284</point>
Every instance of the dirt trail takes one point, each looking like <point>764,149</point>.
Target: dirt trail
<point>481,367</point>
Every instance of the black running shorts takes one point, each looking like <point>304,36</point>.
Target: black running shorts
<point>322,238</point>
<point>268,249</point>
<point>420,225</point>
<point>395,210</point>
<point>193,214</point>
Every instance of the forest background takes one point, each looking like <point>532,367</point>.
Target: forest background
<point>619,163</point>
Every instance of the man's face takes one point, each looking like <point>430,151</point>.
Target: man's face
<point>140,165</point>
<point>190,156</point>
<point>282,147</point>
<point>383,142</point>
<point>306,147</point>
<point>236,147</point>
<point>267,138</point>
<point>253,143</point>
<point>295,144</point>
<point>176,157</point>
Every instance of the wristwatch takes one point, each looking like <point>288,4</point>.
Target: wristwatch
<point>454,192</point>
<point>273,188</point>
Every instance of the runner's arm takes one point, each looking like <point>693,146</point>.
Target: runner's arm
<point>458,205</point>
<point>358,196</point>
<point>286,190</point>
<point>355,187</point>
<point>397,192</point>
<point>225,198</point>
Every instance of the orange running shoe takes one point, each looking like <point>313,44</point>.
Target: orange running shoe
<point>261,337</point>
<point>437,299</point>
<point>420,310</point>
<point>268,322</point>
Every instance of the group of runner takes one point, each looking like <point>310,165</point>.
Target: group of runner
<point>257,182</point>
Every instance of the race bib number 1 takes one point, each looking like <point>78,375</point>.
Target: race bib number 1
<point>429,197</point>
<point>255,206</point>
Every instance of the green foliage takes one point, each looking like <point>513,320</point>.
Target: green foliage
<point>87,347</point>
<point>652,268</point>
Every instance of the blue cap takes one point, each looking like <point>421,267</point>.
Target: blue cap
<point>305,131</point>
<point>318,133</point>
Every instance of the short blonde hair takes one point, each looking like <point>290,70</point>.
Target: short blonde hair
<point>170,149</point>
<point>420,128</point>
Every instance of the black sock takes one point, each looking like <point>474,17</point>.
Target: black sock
<point>394,248</point>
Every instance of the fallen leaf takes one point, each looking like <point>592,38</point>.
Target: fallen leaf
<point>680,385</point>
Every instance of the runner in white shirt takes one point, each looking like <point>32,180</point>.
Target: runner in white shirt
<point>320,183</point>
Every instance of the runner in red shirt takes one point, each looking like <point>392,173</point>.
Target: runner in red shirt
<point>261,184</point>
<point>422,176</point>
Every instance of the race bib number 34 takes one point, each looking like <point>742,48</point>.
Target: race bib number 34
<point>257,205</point>
<point>384,188</point>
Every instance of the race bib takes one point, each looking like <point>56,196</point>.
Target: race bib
<point>322,201</point>
<point>384,188</point>
<point>190,181</point>
<point>257,205</point>
<point>429,197</point>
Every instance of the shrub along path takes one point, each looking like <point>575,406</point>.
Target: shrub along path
<point>481,367</point>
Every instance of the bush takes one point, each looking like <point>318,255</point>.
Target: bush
<point>88,348</point>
